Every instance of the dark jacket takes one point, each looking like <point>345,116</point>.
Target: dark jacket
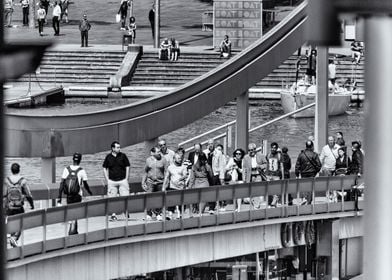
<point>356,165</point>
<point>308,164</point>
<point>342,165</point>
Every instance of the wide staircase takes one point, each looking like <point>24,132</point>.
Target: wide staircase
<point>75,68</point>
<point>90,71</point>
<point>152,72</point>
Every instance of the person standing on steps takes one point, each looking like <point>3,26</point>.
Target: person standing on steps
<point>72,180</point>
<point>84,27</point>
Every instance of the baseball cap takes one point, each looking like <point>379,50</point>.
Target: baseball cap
<point>77,157</point>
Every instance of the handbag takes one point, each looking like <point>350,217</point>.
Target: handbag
<point>118,18</point>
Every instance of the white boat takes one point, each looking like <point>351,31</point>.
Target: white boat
<point>295,98</point>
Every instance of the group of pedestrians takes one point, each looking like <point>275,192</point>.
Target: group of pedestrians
<point>166,170</point>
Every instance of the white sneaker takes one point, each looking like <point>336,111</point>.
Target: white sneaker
<point>13,242</point>
<point>113,218</point>
<point>148,218</point>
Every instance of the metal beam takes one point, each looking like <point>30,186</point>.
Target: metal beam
<point>321,112</point>
<point>378,88</point>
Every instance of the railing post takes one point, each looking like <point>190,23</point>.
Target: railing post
<point>242,124</point>
<point>230,136</point>
<point>48,172</point>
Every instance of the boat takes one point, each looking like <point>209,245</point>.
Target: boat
<point>301,94</point>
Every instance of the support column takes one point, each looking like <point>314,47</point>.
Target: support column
<point>321,118</point>
<point>148,144</point>
<point>242,124</point>
<point>328,247</point>
<point>3,245</point>
<point>48,170</point>
<point>157,23</point>
<point>378,88</point>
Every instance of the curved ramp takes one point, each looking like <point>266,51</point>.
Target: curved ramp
<point>61,135</point>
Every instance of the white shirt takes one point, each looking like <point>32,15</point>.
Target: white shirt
<point>328,156</point>
<point>82,175</point>
<point>57,11</point>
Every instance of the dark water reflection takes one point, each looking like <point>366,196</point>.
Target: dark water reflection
<point>289,132</point>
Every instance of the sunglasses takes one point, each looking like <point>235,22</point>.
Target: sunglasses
<point>238,153</point>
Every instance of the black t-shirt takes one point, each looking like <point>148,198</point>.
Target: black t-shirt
<point>116,165</point>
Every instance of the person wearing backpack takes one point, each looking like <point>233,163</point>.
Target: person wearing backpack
<point>16,191</point>
<point>71,183</point>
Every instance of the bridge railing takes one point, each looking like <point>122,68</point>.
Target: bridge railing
<point>43,219</point>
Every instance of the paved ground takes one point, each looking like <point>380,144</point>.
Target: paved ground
<point>181,19</point>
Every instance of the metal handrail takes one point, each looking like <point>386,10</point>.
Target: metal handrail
<point>59,216</point>
<point>230,124</point>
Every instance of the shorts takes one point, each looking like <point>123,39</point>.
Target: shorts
<point>118,187</point>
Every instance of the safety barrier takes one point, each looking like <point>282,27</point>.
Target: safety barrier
<point>142,202</point>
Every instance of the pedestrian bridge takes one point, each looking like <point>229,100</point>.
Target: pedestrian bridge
<point>106,250</point>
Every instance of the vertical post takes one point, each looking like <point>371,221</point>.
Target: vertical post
<point>131,8</point>
<point>321,118</point>
<point>157,23</point>
<point>242,124</point>
<point>257,266</point>
<point>378,88</point>
<point>48,173</point>
<point>328,246</point>
<point>148,144</point>
<point>32,14</point>
<point>2,220</point>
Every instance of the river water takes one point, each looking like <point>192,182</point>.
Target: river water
<point>288,132</point>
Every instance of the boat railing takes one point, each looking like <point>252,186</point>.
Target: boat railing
<point>229,128</point>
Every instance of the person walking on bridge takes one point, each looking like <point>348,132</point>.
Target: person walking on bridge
<point>307,166</point>
<point>16,191</point>
<point>328,157</point>
<point>72,180</point>
<point>154,174</point>
<point>116,171</point>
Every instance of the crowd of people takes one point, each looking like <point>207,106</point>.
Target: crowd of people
<point>166,169</point>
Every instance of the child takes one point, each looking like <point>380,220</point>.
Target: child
<point>132,29</point>
<point>175,49</point>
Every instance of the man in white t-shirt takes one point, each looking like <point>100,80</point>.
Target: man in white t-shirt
<point>72,180</point>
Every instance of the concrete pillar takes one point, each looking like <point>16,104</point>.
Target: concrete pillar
<point>321,118</point>
<point>48,170</point>
<point>157,23</point>
<point>378,88</point>
<point>3,245</point>
<point>328,246</point>
<point>242,124</point>
<point>32,13</point>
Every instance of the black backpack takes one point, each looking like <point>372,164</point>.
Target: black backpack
<point>15,197</point>
<point>71,183</point>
